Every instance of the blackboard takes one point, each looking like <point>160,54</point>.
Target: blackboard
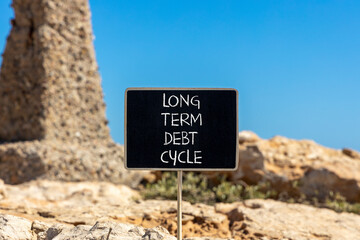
<point>181,129</point>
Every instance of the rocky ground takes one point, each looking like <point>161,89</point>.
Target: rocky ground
<point>97,210</point>
<point>45,209</point>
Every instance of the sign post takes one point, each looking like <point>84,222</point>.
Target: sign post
<point>181,129</point>
<point>179,205</point>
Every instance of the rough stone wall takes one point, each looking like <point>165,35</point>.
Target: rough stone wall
<point>49,83</point>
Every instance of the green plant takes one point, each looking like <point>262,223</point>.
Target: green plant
<point>262,190</point>
<point>197,189</point>
<point>228,192</point>
<point>338,203</point>
<point>165,188</point>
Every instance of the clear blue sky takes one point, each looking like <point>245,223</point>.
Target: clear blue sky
<point>296,64</point>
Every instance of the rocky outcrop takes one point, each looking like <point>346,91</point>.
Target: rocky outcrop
<point>52,113</point>
<point>269,219</point>
<point>89,210</point>
<point>298,165</point>
<point>107,231</point>
<point>18,228</point>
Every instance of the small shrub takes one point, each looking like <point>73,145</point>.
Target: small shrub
<point>338,203</point>
<point>165,188</point>
<point>196,189</point>
<point>228,192</point>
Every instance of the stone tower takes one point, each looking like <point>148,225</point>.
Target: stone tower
<point>52,114</point>
<point>49,82</point>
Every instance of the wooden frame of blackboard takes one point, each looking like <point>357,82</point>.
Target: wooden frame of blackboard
<point>184,169</point>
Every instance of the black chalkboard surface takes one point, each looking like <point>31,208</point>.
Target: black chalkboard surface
<point>181,129</point>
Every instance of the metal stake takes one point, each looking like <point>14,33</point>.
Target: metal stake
<point>179,199</point>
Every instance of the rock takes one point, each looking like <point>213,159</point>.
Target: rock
<point>56,197</point>
<point>87,202</point>
<point>113,231</point>
<point>53,231</point>
<point>52,113</point>
<point>247,136</point>
<point>351,153</point>
<point>198,219</point>
<point>18,228</point>
<point>269,219</point>
<point>315,169</point>
<point>15,228</point>
<point>47,210</point>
